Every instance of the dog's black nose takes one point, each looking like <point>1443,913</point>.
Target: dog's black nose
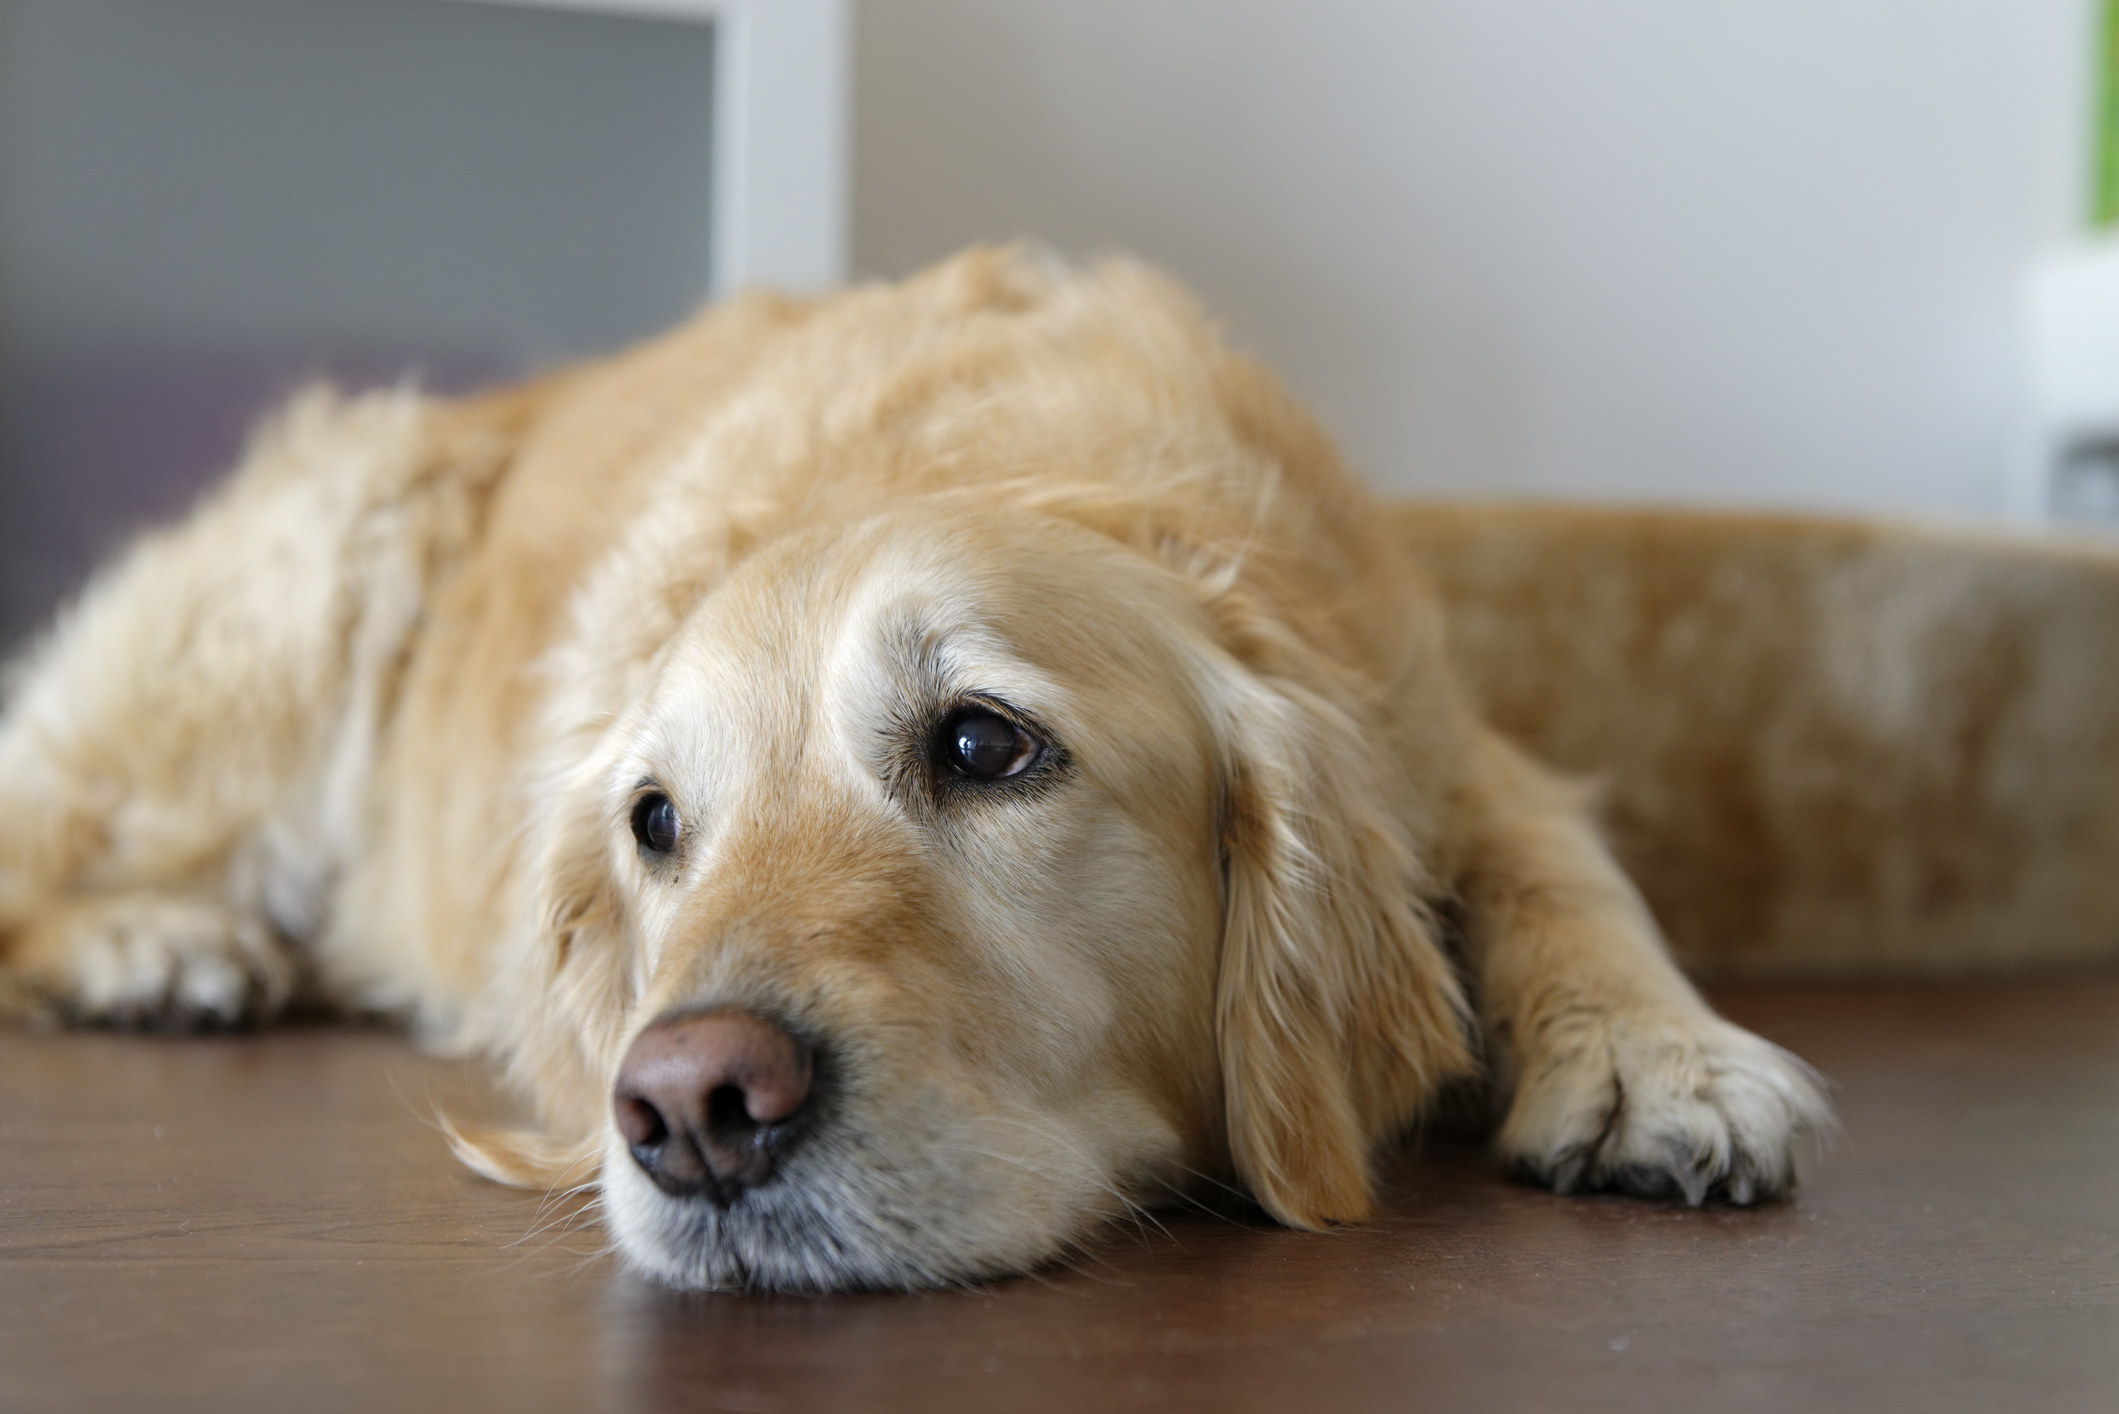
<point>707,1101</point>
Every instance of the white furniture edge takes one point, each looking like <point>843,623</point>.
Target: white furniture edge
<point>782,117</point>
<point>2073,318</point>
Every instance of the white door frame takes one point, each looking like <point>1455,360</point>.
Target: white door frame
<point>782,86</point>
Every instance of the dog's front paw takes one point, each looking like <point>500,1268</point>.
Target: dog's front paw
<point>1663,1107</point>
<point>148,960</point>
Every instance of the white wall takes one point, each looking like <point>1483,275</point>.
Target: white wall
<point>1748,251</point>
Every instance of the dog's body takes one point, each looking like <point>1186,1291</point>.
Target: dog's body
<point>629,696</point>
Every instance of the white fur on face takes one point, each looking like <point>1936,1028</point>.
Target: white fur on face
<point>976,965</point>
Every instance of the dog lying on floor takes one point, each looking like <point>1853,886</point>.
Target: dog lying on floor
<point>897,779</point>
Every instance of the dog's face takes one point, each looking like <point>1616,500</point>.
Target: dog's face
<point>932,865</point>
<point>1032,899</point>
<point>940,800</point>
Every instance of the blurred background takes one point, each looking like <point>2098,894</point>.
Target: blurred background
<point>1823,254</point>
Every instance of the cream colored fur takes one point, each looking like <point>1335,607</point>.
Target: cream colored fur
<point>1825,748</point>
<point>371,721</point>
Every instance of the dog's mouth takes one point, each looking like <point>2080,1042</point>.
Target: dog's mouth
<point>804,1230</point>
<point>753,1147</point>
<point>939,1191</point>
<point>830,1215</point>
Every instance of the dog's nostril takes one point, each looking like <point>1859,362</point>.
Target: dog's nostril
<point>705,1102</point>
<point>728,1113</point>
<point>639,1121</point>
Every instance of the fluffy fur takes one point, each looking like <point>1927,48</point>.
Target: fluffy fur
<point>370,722</point>
<point>1828,748</point>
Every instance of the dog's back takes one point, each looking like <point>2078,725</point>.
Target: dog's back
<point>1826,748</point>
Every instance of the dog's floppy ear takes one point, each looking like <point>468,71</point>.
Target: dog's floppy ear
<point>519,1158</point>
<point>1337,1014</point>
<point>577,969</point>
<point>561,997</point>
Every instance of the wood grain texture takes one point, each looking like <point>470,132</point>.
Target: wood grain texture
<point>266,1223</point>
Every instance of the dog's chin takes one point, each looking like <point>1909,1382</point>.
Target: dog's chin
<point>838,1218</point>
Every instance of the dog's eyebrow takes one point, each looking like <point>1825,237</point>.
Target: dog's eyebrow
<point>918,643</point>
<point>915,637</point>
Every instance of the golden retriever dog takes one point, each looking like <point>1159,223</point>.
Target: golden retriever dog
<point>896,779</point>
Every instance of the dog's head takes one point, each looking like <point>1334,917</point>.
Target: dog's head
<point>937,864</point>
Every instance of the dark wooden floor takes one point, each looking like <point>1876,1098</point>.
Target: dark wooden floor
<point>266,1223</point>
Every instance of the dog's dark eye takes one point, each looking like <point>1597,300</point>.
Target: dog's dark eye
<point>986,746</point>
<point>655,823</point>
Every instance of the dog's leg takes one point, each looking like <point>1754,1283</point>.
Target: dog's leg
<point>1619,1076</point>
<point>174,791</point>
